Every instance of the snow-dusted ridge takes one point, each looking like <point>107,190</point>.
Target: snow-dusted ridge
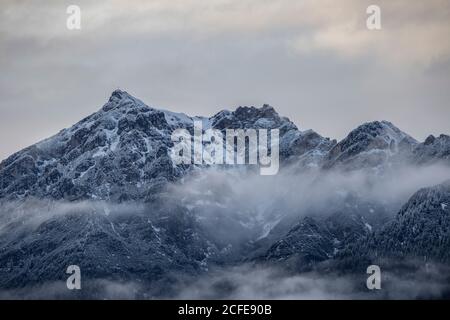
<point>121,152</point>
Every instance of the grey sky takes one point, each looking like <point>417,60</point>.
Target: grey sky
<point>313,60</point>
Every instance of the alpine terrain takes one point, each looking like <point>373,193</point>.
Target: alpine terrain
<point>105,195</point>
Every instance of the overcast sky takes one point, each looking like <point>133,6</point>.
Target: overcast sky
<point>313,60</point>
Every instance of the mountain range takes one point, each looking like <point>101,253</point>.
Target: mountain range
<point>105,194</point>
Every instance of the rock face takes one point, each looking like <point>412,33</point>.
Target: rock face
<point>96,194</point>
<point>307,146</point>
<point>321,236</point>
<point>118,153</point>
<point>371,145</point>
<point>250,117</point>
<point>121,152</point>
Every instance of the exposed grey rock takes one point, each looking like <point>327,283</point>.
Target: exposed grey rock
<point>121,152</point>
<point>432,150</point>
<point>371,145</point>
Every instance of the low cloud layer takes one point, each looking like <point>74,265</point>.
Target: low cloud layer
<point>250,282</point>
<point>236,207</point>
<point>260,202</point>
<point>247,205</point>
<point>257,282</point>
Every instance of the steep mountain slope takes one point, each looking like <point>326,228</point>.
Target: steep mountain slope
<point>118,153</point>
<point>433,149</point>
<point>121,152</point>
<point>420,231</point>
<point>322,235</point>
<point>117,242</point>
<point>306,148</point>
<point>371,145</point>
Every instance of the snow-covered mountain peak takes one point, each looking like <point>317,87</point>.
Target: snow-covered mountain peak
<point>376,130</point>
<point>370,145</point>
<point>122,99</point>
<point>245,117</point>
<point>117,153</point>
